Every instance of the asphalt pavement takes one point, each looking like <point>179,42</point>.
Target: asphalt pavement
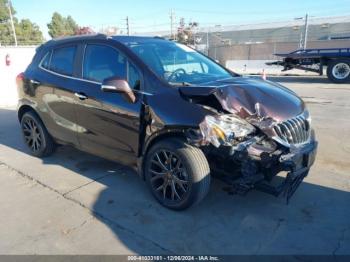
<point>76,203</point>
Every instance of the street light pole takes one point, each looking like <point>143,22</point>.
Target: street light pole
<point>12,24</point>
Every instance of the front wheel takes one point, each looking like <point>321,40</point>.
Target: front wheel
<point>177,174</point>
<point>338,71</point>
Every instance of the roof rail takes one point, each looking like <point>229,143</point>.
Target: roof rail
<point>100,35</point>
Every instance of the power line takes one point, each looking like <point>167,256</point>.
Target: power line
<point>148,26</point>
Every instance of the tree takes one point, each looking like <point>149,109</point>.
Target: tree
<point>62,26</point>
<point>71,25</point>
<point>4,14</point>
<point>85,30</point>
<point>186,33</point>
<point>6,34</point>
<point>57,25</point>
<point>26,31</point>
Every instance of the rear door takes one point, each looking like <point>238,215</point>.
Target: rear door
<point>110,122</point>
<point>58,70</point>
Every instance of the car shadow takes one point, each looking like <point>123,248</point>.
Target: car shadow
<point>315,222</point>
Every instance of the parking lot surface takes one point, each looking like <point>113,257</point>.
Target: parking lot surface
<point>75,203</point>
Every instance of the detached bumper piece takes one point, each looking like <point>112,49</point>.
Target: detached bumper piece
<point>297,163</point>
<point>287,188</point>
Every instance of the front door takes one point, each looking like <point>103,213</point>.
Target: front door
<point>111,124</point>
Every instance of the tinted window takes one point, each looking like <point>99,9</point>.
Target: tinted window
<point>134,78</point>
<point>46,60</point>
<point>62,60</point>
<point>101,62</point>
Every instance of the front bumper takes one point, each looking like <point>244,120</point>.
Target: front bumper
<point>260,172</point>
<point>300,158</point>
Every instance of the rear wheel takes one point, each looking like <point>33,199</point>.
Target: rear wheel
<point>35,135</point>
<point>177,174</point>
<point>338,71</point>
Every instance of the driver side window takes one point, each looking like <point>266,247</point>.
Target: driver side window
<point>187,62</point>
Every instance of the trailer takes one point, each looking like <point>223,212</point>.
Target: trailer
<point>337,61</point>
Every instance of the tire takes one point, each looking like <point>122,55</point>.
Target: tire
<point>188,163</point>
<point>338,71</point>
<point>33,130</point>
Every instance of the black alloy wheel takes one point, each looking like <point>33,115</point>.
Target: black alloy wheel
<point>178,174</point>
<point>168,176</point>
<point>32,135</point>
<point>35,135</point>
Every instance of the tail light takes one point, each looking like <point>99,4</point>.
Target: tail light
<point>19,79</point>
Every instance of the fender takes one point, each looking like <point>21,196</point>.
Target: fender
<point>24,105</point>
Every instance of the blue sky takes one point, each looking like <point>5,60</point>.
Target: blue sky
<point>153,15</point>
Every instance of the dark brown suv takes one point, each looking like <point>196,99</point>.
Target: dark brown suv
<point>168,111</point>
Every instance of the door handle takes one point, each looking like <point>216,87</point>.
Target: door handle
<point>34,82</point>
<point>81,96</point>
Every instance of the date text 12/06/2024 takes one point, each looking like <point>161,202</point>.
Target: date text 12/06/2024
<point>173,258</point>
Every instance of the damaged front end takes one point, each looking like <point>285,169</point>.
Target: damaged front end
<point>253,161</point>
<point>248,143</point>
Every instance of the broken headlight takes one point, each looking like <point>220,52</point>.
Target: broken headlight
<point>223,129</point>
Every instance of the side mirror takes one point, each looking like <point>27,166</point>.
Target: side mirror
<point>117,85</point>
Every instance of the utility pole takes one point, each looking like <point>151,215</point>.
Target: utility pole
<point>172,19</point>
<point>217,34</point>
<point>303,36</point>
<point>127,25</point>
<point>306,31</point>
<point>301,40</point>
<point>208,41</point>
<point>12,24</point>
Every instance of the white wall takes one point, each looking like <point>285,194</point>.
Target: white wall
<point>246,67</point>
<point>20,58</point>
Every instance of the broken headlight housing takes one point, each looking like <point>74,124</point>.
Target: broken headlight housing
<point>224,129</point>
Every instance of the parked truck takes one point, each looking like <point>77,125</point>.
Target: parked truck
<point>337,61</point>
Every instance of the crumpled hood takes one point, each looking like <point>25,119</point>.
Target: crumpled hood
<point>246,97</point>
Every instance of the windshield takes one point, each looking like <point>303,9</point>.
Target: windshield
<point>177,63</point>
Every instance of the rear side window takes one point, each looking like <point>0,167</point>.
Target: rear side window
<point>62,60</point>
<point>46,60</point>
<point>101,62</point>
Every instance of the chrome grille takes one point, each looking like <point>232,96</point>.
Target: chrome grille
<point>293,131</point>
